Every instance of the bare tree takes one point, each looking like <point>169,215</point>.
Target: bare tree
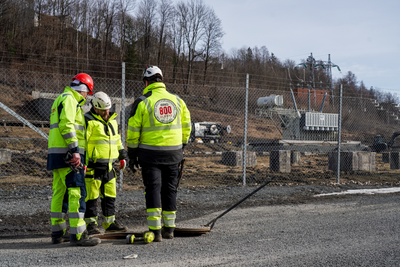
<point>9,24</point>
<point>5,6</point>
<point>177,43</point>
<point>109,15</point>
<point>62,10</point>
<point>124,8</point>
<point>165,13</point>
<point>193,16</point>
<point>86,7</point>
<point>146,16</point>
<point>130,39</point>
<point>349,82</point>
<point>213,34</point>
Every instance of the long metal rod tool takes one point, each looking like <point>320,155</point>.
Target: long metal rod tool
<point>211,223</point>
<point>30,125</point>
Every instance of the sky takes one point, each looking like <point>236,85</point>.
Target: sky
<point>361,36</point>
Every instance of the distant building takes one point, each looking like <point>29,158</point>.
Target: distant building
<point>57,22</point>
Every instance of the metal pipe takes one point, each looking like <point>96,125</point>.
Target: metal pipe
<point>211,223</point>
<point>294,103</point>
<point>245,129</point>
<point>24,121</point>
<point>122,123</point>
<point>323,102</point>
<point>339,132</point>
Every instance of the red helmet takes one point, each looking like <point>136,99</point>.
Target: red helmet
<point>85,79</point>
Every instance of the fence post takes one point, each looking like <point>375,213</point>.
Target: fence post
<point>121,173</point>
<point>339,132</point>
<point>245,129</point>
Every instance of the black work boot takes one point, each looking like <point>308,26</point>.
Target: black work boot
<point>93,228</point>
<point>157,235</point>
<point>85,240</point>
<point>59,237</point>
<point>116,227</point>
<point>168,232</point>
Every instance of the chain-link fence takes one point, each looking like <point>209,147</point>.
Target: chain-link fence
<point>291,134</point>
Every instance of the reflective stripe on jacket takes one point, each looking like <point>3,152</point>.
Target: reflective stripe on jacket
<point>159,124</point>
<point>67,128</point>
<point>103,141</point>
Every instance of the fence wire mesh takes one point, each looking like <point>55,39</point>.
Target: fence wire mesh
<point>291,134</point>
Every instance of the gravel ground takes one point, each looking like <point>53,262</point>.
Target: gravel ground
<point>356,230</point>
<point>28,212</point>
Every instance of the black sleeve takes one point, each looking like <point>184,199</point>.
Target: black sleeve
<point>122,154</point>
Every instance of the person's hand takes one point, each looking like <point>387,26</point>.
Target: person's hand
<point>76,159</point>
<point>73,160</point>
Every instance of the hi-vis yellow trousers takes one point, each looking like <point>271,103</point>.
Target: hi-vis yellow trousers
<point>69,193</point>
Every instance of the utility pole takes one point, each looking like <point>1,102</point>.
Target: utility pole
<point>329,70</point>
<point>329,85</point>
<point>327,65</point>
<point>311,64</point>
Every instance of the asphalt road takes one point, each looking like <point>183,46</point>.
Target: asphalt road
<point>358,230</point>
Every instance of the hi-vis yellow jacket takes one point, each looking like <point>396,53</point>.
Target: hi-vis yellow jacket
<point>67,128</point>
<point>103,141</point>
<point>159,124</point>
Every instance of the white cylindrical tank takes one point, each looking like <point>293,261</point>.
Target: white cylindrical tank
<point>270,101</point>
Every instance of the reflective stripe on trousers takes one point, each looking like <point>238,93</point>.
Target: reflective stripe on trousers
<point>103,185</point>
<point>108,221</point>
<point>154,218</point>
<point>169,218</point>
<point>90,220</point>
<point>68,192</point>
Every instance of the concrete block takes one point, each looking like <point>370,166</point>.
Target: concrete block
<point>5,156</point>
<point>386,157</point>
<point>352,161</point>
<point>279,161</point>
<point>366,161</point>
<point>394,160</point>
<point>294,157</point>
<point>235,158</point>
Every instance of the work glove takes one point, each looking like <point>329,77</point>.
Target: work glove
<point>183,147</point>
<point>74,167</point>
<point>123,159</point>
<point>122,164</point>
<point>122,154</point>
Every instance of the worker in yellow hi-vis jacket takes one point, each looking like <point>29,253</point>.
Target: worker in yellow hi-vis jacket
<point>104,148</point>
<point>159,128</point>
<point>66,154</point>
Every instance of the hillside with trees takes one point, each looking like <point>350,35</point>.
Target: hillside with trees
<point>184,38</point>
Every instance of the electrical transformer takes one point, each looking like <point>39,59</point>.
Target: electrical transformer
<point>296,124</point>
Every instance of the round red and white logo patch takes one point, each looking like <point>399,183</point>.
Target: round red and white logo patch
<point>165,111</point>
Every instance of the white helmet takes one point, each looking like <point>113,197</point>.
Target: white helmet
<point>150,71</point>
<point>101,101</point>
